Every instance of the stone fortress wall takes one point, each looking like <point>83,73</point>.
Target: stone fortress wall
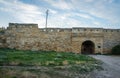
<point>78,40</point>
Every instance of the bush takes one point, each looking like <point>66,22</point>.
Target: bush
<point>116,50</point>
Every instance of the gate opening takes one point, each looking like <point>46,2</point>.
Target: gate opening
<point>87,47</point>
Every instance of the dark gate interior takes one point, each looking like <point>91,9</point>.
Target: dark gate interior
<point>87,47</point>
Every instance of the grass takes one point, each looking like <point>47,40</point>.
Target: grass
<point>50,63</point>
<point>41,58</point>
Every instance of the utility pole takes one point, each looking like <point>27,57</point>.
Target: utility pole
<point>46,19</point>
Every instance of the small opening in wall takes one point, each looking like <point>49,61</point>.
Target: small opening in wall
<point>99,46</point>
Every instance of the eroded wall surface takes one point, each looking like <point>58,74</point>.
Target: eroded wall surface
<point>30,37</point>
<point>111,38</point>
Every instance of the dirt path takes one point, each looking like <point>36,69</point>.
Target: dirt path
<point>111,65</point>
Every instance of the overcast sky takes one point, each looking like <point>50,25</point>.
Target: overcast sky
<point>62,13</point>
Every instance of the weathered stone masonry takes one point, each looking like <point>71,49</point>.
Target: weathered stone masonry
<point>78,40</point>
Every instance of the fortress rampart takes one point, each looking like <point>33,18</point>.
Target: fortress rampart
<point>78,40</point>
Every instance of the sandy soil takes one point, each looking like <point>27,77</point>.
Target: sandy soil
<point>111,66</point>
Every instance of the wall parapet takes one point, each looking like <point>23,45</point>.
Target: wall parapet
<point>23,25</point>
<point>111,30</point>
<point>56,29</point>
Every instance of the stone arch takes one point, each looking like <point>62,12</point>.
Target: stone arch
<point>87,47</point>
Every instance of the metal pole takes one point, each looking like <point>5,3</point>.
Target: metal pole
<point>46,19</point>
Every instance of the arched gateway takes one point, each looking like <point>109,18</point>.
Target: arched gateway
<point>87,47</point>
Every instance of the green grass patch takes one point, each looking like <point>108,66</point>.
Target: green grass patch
<point>41,58</point>
<point>16,63</point>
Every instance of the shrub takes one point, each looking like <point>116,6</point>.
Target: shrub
<point>116,50</point>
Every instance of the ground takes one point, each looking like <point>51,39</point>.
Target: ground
<point>111,65</point>
<point>45,64</point>
<point>50,64</point>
